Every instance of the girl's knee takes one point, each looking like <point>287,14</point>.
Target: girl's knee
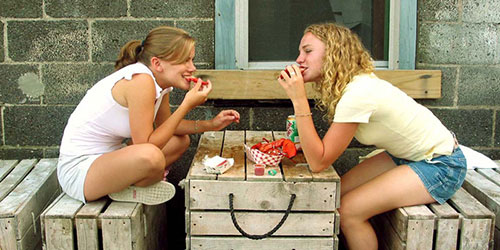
<point>152,158</point>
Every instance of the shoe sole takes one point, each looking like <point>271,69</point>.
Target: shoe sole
<point>155,194</point>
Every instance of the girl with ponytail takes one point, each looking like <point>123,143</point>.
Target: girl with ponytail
<point>133,103</point>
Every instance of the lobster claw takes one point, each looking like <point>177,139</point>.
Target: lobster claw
<point>289,148</point>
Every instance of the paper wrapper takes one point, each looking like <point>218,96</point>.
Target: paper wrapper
<point>258,156</point>
<point>217,164</point>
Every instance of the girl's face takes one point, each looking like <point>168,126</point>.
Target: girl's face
<point>311,56</point>
<point>174,75</point>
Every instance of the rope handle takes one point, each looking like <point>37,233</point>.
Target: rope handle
<point>255,236</point>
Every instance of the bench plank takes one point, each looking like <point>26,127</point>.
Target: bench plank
<point>15,177</point>
<point>87,224</point>
<point>262,84</point>
<point>5,167</point>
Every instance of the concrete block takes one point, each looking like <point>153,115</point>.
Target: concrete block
<point>36,41</point>
<point>68,83</point>
<point>479,85</point>
<point>173,9</point>
<point>35,125</point>
<point>437,10</point>
<point>473,127</point>
<point>20,83</point>
<point>21,8</point>
<point>51,152</point>
<point>448,43</point>
<point>109,36</point>
<point>19,153</point>
<point>204,34</point>
<point>270,118</point>
<point>86,8</point>
<point>448,86</point>
<point>484,11</point>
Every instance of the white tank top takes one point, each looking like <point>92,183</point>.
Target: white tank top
<point>99,124</point>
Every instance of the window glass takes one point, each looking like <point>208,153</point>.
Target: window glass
<point>275,27</point>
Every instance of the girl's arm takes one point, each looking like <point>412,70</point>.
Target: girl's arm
<point>321,153</point>
<point>222,120</point>
<point>140,98</point>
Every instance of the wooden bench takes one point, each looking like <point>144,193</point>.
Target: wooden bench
<point>103,224</point>
<point>484,184</point>
<point>26,188</point>
<point>460,223</point>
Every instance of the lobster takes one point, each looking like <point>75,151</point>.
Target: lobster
<point>279,147</point>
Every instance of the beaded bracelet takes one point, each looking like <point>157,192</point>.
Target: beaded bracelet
<point>302,115</point>
<point>196,126</point>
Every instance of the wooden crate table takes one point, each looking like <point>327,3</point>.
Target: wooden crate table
<point>484,184</point>
<point>26,188</point>
<point>260,202</point>
<point>460,223</point>
<point>103,224</point>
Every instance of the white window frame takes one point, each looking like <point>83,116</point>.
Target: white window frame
<point>407,35</point>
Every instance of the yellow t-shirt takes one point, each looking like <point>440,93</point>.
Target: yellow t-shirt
<point>391,120</point>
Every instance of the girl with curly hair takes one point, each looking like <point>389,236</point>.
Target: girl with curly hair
<point>133,103</point>
<point>422,162</point>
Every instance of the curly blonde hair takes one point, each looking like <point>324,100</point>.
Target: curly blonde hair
<point>345,57</point>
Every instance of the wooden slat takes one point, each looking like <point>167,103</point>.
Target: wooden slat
<point>118,226</point>
<point>485,191</point>
<point>241,243</point>
<point>233,148</point>
<point>446,226</point>
<point>58,223</point>
<point>491,175</point>
<point>210,144</point>
<point>27,200</point>
<point>15,177</point>
<point>262,84</point>
<point>5,167</point>
<point>259,223</point>
<point>87,226</point>
<point>250,195</point>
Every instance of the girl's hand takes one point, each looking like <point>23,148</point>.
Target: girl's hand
<point>293,84</point>
<point>224,119</point>
<point>198,94</point>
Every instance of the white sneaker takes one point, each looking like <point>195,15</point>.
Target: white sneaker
<point>157,193</point>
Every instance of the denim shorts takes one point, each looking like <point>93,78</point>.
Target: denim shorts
<point>442,175</point>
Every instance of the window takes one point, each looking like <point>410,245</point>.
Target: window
<point>265,34</point>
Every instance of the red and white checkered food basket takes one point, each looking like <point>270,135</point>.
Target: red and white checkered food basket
<point>258,156</point>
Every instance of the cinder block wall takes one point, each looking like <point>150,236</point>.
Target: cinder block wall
<point>52,51</point>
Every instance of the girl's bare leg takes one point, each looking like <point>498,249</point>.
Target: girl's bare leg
<point>397,187</point>
<point>365,171</point>
<point>139,164</point>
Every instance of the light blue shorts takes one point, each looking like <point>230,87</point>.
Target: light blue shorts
<point>442,175</point>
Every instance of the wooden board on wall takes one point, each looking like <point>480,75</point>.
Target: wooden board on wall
<point>262,84</point>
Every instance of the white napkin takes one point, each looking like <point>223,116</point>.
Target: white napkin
<point>477,160</point>
<point>217,164</point>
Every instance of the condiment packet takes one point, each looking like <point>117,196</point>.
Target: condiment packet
<point>217,164</point>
